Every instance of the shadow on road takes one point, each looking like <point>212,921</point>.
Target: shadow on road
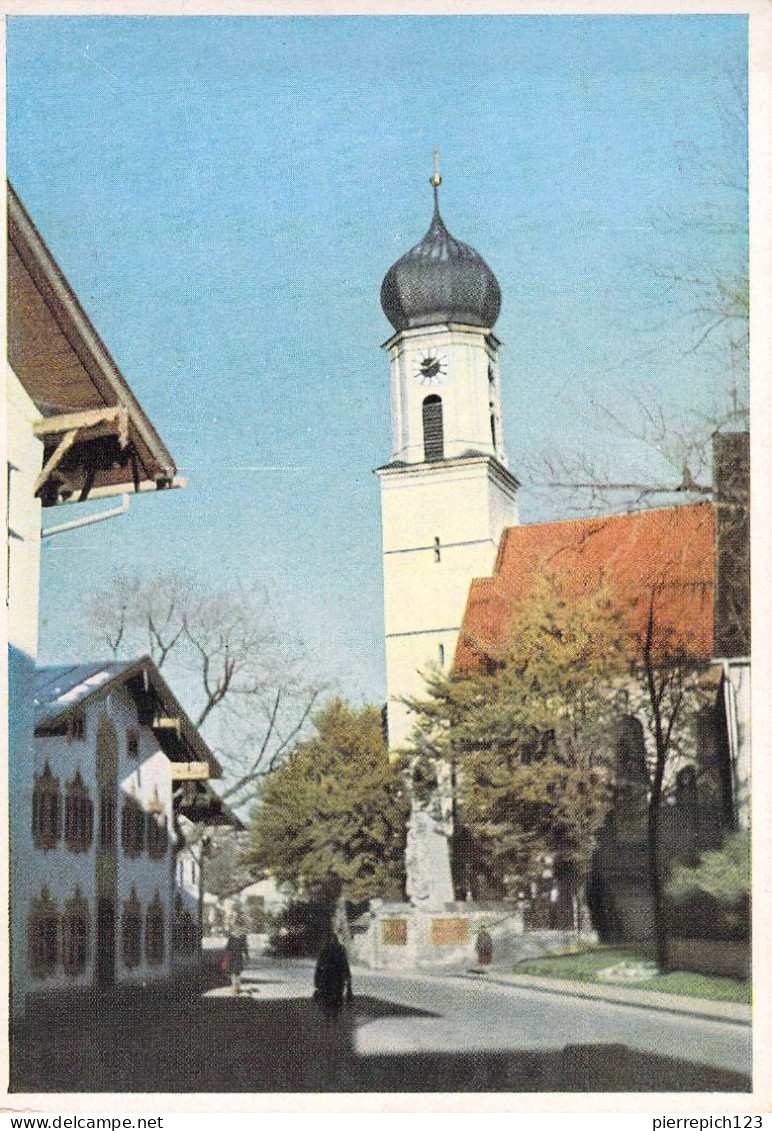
<point>224,1044</point>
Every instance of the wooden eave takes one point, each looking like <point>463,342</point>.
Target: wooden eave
<point>97,439</point>
<point>198,803</point>
<point>158,709</point>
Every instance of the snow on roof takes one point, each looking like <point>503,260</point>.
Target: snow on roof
<point>58,687</point>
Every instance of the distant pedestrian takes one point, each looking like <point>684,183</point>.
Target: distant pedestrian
<point>234,958</point>
<point>484,947</point>
<point>332,977</point>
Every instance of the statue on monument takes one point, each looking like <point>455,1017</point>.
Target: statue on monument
<point>427,851</point>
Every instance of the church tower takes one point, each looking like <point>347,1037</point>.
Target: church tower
<point>446,493</point>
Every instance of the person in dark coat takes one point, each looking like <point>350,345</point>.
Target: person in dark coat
<point>332,977</point>
<point>234,958</point>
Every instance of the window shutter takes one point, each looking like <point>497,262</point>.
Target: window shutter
<point>432,421</point>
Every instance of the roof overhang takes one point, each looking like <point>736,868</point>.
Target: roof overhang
<point>96,438</point>
<point>157,708</point>
<point>421,331</point>
<point>199,804</point>
<point>496,469</point>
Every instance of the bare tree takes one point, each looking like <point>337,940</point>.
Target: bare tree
<point>648,450</point>
<point>241,679</point>
<point>712,299</point>
<point>666,696</point>
<point>654,455</point>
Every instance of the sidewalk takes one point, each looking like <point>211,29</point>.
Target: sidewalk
<point>735,1012</point>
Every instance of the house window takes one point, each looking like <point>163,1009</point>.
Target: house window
<point>434,447</point>
<point>157,833</point>
<point>43,934</point>
<point>107,807</point>
<point>78,815</point>
<point>155,943</point>
<point>46,810</point>
<point>131,931</point>
<point>78,728</point>
<point>132,827</point>
<point>132,743</point>
<point>76,929</point>
<point>442,655</point>
<point>437,550</point>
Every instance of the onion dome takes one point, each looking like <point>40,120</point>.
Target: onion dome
<point>440,280</point>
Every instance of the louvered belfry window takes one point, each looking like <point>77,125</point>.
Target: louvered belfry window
<point>432,419</point>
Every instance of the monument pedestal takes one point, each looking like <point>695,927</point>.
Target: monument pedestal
<point>402,935</point>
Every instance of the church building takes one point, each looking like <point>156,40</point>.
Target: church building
<point>455,557</point>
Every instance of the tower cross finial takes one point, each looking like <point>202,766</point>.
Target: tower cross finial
<point>436,180</point>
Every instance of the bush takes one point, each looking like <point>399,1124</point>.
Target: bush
<point>712,899</point>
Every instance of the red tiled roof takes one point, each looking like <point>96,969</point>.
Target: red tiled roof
<point>667,553</point>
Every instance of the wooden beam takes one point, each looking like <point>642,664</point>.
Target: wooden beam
<point>166,724</point>
<point>56,458</point>
<point>189,771</point>
<point>126,487</point>
<point>115,416</point>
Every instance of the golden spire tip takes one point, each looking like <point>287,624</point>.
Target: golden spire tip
<point>436,179</point>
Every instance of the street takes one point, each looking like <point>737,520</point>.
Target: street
<point>412,1032</point>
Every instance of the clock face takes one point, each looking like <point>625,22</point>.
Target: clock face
<point>431,368</point>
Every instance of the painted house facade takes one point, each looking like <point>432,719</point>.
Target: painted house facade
<point>117,768</point>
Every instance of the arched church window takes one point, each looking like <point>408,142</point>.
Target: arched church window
<point>434,448</point>
<point>493,423</point>
<point>686,788</point>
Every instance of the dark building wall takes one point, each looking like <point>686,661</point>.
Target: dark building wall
<point>696,816</point>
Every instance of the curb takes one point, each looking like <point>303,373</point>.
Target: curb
<point>710,1011</point>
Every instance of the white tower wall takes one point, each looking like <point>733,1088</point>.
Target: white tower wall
<point>467,383</point>
<point>443,518</point>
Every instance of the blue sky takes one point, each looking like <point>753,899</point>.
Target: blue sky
<point>225,195</point>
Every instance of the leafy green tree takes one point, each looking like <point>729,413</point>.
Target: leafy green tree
<point>331,819</point>
<point>526,739</point>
